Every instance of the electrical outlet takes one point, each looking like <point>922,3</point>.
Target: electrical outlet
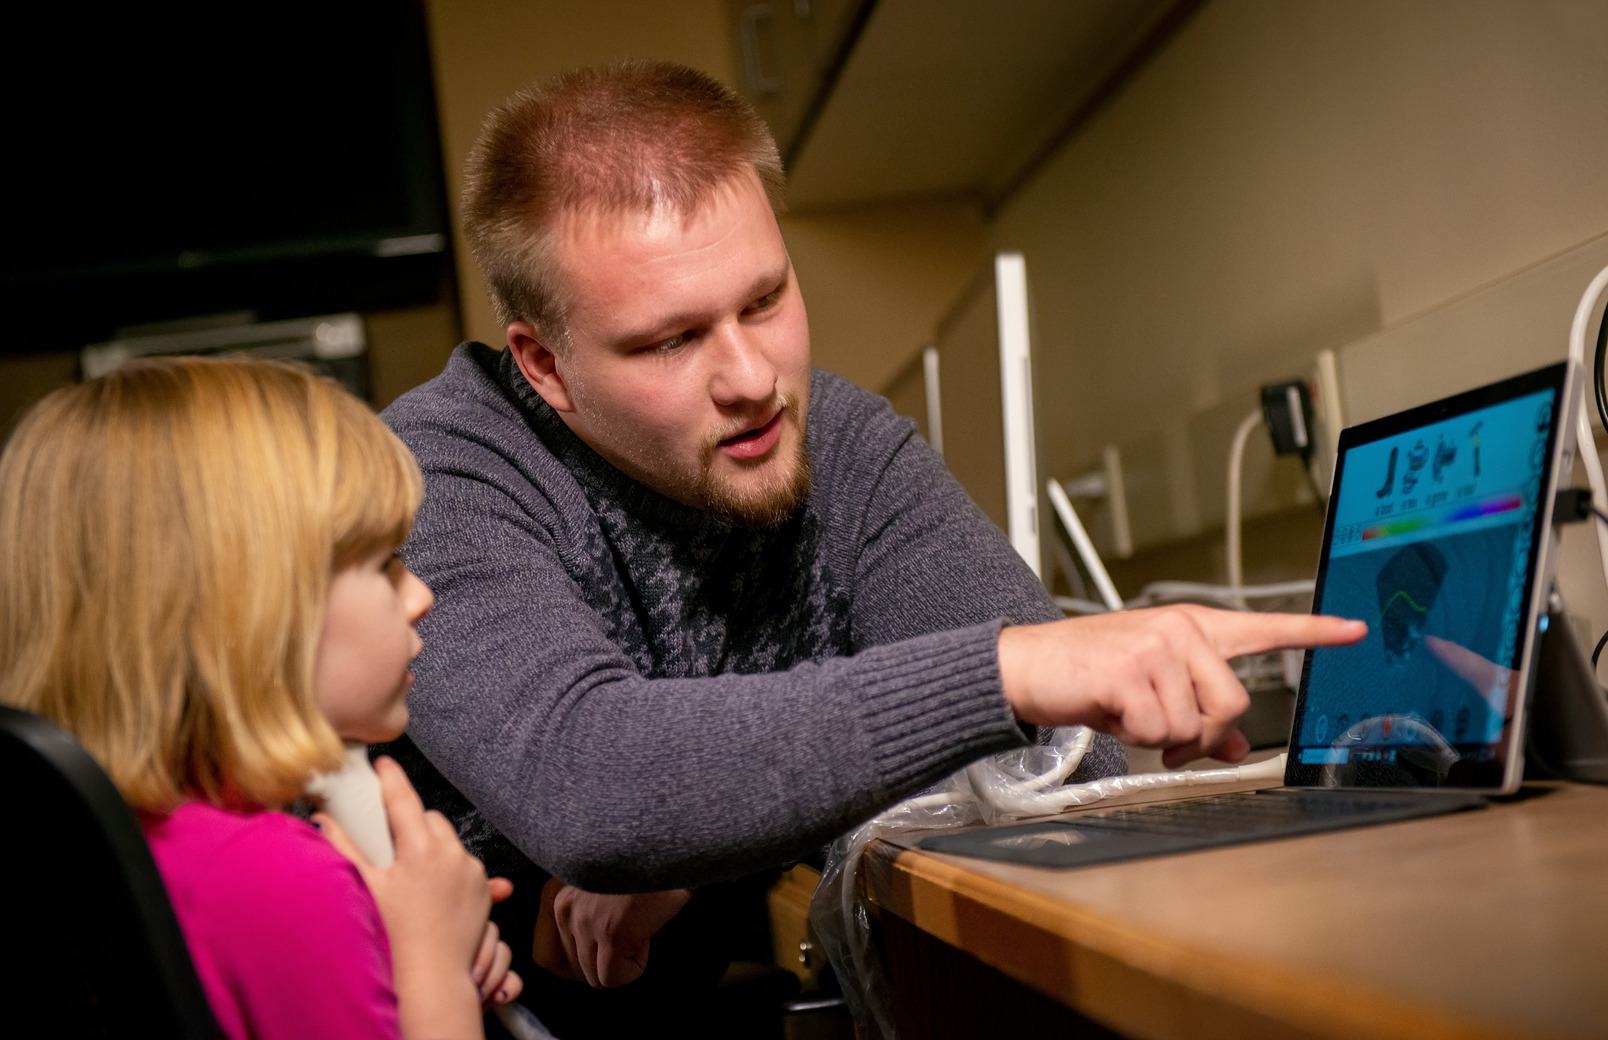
<point>1328,417</point>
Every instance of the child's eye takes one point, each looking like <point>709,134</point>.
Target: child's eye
<point>394,568</point>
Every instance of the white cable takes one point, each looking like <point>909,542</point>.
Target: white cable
<point>1085,547</point>
<point>1004,793</point>
<point>1021,800</point>
<point>1587,446</point>
<point>1582,318</point>
<point>520,1021</point>
<point>1069,762</point>
<point>933,802</point>
<point>1236,462</point>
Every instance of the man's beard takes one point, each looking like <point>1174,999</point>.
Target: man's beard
<point>776,497</point>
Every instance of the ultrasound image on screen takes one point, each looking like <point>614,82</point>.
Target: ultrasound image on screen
<point>1431,545</point>
<point>1423,603</point>
<point>1408,584</point>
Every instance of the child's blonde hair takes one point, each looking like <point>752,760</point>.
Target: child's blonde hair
<point>167,537</point>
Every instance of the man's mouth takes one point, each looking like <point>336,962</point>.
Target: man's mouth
<point>754,442</point>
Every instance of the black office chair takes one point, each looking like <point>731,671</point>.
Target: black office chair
<point>94,948</point>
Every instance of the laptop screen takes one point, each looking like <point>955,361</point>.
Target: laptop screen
<point>1437,536</point>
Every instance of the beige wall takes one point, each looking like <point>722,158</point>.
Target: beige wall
<point>876,280</point>
<point>1297,174</point>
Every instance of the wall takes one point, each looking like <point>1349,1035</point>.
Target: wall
<point>1422,187</point>
<point>1290,175</point>
<point>876,280</point>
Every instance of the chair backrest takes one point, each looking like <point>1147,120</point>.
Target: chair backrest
<point>94,946</point>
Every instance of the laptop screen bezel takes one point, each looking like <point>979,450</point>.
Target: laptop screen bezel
<point>1503,772</point>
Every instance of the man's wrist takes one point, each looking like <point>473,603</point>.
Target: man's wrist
<point>1015,656</point>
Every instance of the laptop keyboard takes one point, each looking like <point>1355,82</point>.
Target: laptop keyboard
<point>1254,812</point>
<point>1210,821</point>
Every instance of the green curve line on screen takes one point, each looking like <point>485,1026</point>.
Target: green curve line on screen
<point>1401,594</point>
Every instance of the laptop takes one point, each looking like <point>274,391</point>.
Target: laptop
<point>1440,535</point>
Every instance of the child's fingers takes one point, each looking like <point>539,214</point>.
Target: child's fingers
<point>501,888</point>
<point>512,986</point>
<point>402,804</point>
<point>484,956</point>
<point>496,978</point>
<point>439,827</point>
<point>394,783</point>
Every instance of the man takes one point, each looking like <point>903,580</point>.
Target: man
<point>698,608</point>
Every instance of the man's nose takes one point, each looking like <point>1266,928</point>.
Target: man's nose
<point>742,371</point>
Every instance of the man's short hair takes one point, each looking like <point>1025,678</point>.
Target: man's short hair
<point>633,136</point>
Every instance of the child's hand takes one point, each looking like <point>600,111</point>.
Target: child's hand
<point>497,984</point>
<point>434,901</point>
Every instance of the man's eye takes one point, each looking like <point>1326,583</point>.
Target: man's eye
<point>767,301</point>
<point>672,344</point>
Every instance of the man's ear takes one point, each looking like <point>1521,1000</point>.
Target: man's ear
<point>539,365</point>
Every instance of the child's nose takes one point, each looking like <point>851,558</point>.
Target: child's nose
<point>417,597</point>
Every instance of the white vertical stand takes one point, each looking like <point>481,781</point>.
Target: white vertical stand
<point>934,401</point>
<point>1016,400</point>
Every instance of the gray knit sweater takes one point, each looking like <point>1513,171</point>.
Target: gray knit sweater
<point>638,696</point>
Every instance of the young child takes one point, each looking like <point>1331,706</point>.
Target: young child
<point>198,579</point>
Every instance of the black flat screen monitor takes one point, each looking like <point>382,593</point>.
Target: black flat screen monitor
<point>173,161</point>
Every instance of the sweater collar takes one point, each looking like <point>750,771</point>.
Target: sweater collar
<point>595,473</point>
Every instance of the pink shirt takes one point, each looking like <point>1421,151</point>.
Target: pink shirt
<point>284,934</point>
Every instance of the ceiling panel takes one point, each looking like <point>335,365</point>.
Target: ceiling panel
<point>940,97</point>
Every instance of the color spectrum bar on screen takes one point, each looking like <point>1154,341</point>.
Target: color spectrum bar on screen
<point>1441,518</point>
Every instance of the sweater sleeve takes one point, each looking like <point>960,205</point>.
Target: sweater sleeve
<point>925,557</point>
<point>616,782</point>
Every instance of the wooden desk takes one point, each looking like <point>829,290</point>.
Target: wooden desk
<point>1492,923</point>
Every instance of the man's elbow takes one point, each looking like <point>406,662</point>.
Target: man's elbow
<point>597,863</point>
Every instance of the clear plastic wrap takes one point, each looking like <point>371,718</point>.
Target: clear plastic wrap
<point>1014,785</point>
<point>840,917</point>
